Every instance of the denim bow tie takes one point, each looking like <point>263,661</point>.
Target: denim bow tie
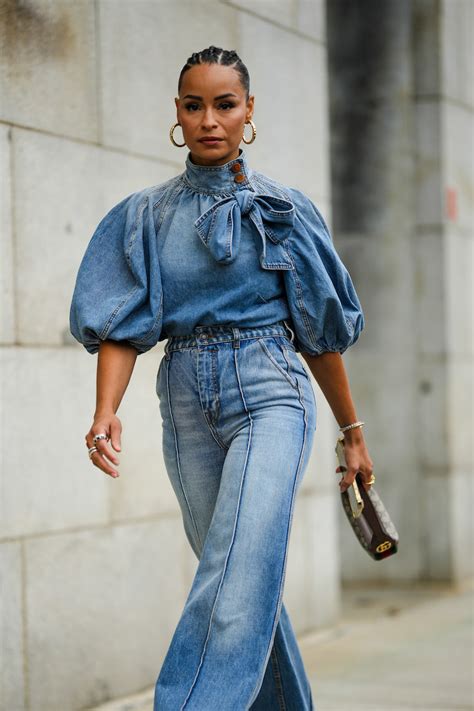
<point>220,227</point>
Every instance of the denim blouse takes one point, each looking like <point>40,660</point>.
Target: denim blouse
<point>214,245</point>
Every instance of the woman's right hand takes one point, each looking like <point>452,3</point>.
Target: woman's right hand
<point>112,427</point>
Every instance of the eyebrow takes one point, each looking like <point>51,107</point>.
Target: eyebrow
<point>222,96</point>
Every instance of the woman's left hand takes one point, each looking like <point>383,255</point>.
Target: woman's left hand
<point>357,460</point>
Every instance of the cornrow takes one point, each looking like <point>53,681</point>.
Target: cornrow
<point>217,55</point>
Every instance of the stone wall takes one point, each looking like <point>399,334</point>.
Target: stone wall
<point>401,106</point>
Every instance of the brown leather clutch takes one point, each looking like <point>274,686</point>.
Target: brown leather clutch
<point>370,521</point>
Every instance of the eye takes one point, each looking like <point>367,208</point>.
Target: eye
<point>227,103</point>
<point>189,106</point>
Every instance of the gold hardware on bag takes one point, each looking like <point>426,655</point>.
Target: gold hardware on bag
<point>357,506</point>
<point>383,546</point>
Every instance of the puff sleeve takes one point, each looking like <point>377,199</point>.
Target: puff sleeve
<point>117,294</point>
<point>325,309</point>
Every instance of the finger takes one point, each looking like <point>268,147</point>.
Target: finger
<point>105,451</point>
<point>366,475</point>
<point>98,460</point>
<point>115,434</point>
<point>102,444</point>
<point>350,475</point>
<point>348,479</point>
<point>343,486</point>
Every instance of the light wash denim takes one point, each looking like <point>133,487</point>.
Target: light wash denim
<point>239,416</point>
<point>204,249</point>
<point>239,274</point>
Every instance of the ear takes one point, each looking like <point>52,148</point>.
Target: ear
<point>250,106</point>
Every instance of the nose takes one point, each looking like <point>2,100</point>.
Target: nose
<point>208,119</point>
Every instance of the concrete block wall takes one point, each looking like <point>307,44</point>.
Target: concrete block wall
<point>444,232</point>
<point>94,571</point>
<point>372,185</point>
<point>403,189</point>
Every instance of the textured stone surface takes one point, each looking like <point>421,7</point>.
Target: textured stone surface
<point>429,193</point>
<point>458,55</point>
<point>385,385</point>
<point>292,140</point>
<point>459,270</point>
<point>12,682</point>
<point>48,482</point>
<point>458,141</point>
<point>305,16</point>
<point>312,583</point>
<point>462,492</point>
<point>48,73</point>
<point>421,651</point>
<point>7,276</point>
<point>102,606</point>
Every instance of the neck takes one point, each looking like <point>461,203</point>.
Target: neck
<point>199,160</point>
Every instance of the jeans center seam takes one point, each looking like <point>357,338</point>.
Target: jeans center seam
<point>290,519</point>
<point>278,680</point>
<point>178,458</point>
<point>244,472</point>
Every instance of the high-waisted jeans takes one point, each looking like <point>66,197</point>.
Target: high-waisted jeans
<point>239,416</point>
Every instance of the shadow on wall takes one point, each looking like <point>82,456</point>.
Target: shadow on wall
<point>26,32</point>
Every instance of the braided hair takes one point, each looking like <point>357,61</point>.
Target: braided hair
<point>217,55</point>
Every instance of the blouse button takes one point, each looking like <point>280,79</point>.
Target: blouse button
<point>239,178</point>
<point>235,167</point>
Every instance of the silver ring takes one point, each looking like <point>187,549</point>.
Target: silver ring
<point>100,436</point>
<point>91,451</point>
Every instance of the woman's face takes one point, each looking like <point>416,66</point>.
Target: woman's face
<point>212,103</point>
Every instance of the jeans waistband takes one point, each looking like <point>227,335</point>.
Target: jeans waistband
<point>204,335</point>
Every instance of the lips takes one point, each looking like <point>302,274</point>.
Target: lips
<point>210,139</point>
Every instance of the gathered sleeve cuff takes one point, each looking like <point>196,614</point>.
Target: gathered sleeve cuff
<point>325,309</point>
<point>117,294</point>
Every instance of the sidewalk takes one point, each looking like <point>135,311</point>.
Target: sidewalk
<point>395,649</point>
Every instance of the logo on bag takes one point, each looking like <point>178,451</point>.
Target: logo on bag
<point>383,546</point>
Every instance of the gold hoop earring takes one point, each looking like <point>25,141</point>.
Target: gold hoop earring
<point>180,145</point>
<point>254,132</point>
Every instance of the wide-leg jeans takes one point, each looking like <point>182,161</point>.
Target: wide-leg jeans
<point>239,416</point>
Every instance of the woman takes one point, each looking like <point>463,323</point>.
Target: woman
<point>239,273</point>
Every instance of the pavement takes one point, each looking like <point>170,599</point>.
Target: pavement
<point>405,648</point>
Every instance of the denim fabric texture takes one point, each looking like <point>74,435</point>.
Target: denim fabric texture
<point>239,273</point>
<point>239,417</point>
<point>205,249</point>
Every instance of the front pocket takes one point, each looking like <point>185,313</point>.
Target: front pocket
<point>276,354</point>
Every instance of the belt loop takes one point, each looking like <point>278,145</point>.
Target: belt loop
<point>236,337</point>
<point>292,334</point>
<point>167,353</point>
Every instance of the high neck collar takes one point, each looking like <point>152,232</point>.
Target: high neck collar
<point>231,176</point>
